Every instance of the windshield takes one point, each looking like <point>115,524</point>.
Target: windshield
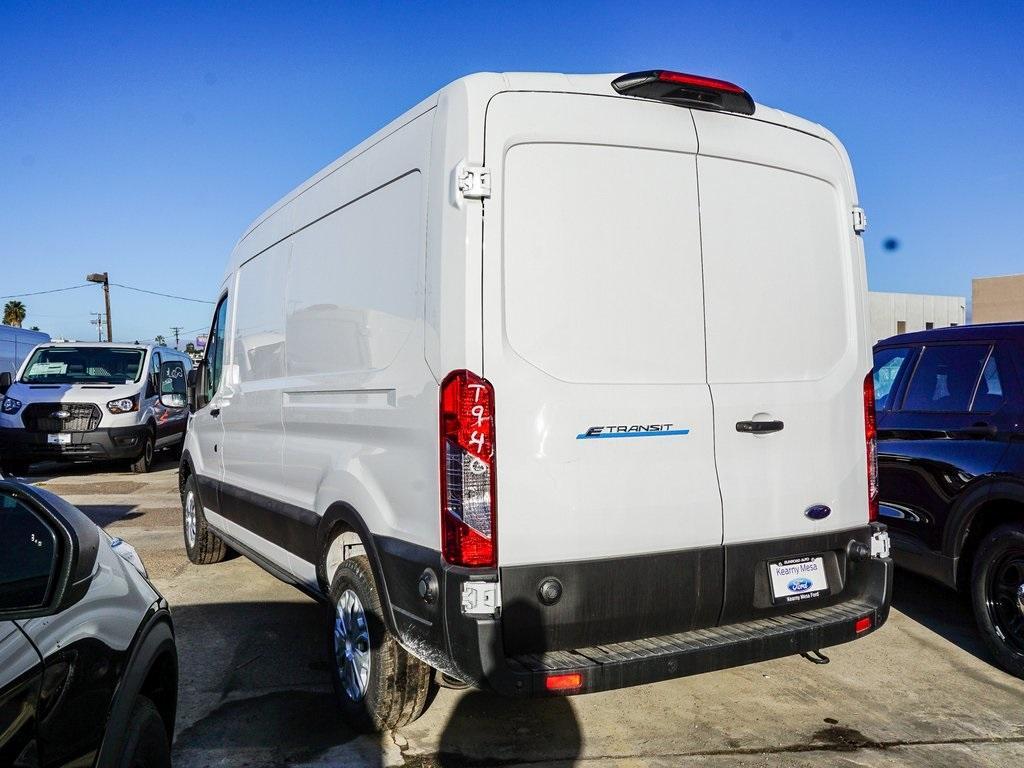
<point>84,365</point>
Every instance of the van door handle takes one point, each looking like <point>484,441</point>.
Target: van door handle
<point>759,427</point>
<point>215,412</point>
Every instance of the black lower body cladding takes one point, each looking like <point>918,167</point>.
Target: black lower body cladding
<point>114,443</point>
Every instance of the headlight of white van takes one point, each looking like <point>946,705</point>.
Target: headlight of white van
<point>124,405</point>
<point>10,406</point>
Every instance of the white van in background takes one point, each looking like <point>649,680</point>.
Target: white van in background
<point>555,384</point>
<point>15,344</point>
<point>95,401</point>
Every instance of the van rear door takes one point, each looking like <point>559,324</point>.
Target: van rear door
<point>594,343</point>
<point>786,336</point>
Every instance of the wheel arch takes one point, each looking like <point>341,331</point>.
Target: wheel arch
<point>1001,502</point>
<point>341,517</point>
<point>152,671</point>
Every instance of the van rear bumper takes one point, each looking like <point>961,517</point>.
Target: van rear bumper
<point>477,648</point>
<point>650,660</point>
<point>113,443</point>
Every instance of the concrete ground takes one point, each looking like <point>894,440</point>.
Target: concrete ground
<point>255,689</point>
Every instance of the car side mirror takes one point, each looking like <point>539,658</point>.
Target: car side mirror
<point>6,379</point>
<point>49,551</point>
<point>173,385</point>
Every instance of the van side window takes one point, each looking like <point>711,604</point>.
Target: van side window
<point>945,378</point>
<point>888,364</point>
<point>990,389</point>
<point>215,350</point>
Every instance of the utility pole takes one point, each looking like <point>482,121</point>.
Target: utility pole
<point>101,277</point>
<point>177,330</point>
<point>98,322</point>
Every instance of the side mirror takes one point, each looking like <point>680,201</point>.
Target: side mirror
<point>198,391</point>
<point>49,552</point>
<point>173,385</point>
<point>6,379</point>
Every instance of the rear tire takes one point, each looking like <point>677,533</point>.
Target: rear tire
<point>379,685</point>
<point>202,545</point>
<point>997,592</point>
<point>144,463</point>
<point>17,467</point>
<point>145,740</point>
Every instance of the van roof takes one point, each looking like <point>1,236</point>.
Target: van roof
<point>980,332</point>
<point>474,91</point>
<point>112,344</point>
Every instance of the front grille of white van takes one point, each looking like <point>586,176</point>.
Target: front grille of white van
<point>43,417</point>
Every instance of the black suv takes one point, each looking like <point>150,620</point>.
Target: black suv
<point>950,410</point>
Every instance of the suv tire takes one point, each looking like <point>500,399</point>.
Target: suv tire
<point>997,592</point>
<point>145,741</point>
<point>144,462</point>
<point>379,685</point>
<point>203,546</point>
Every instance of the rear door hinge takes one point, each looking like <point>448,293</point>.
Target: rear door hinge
<point>473,181</point>
<point>860,219</point>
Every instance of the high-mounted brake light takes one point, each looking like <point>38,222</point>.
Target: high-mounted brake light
<point>468,498</point>
<point>871,441</point>
<point>686,90</point>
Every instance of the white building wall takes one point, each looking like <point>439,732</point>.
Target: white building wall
<point>914,310</point>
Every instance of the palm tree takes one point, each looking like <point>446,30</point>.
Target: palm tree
<point>160,340</point>
<point>14,313</point>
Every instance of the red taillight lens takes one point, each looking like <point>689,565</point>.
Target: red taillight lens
<point>564,682</point>
<point>681,78</point>
<point>871,440</point>
<point>862,625</point>
<point>468,509</point>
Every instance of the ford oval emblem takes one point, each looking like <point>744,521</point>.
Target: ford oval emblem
<point>818,512</point>
<point>61,414</point>
<point>800,584</point>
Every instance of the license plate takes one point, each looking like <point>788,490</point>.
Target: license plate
<point>797,578</point>
<point>61,438</point>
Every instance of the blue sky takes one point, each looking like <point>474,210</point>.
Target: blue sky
<point>143,140</point>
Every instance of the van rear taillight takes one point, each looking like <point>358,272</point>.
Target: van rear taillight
<point>871,441</point>
<point>685,90</point>
<point>468,508</point>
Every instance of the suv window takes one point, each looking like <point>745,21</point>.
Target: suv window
<point>215,350</point>
<point>888,364</point>
<point>945,378</point>
<point>990,389</point>
<point>29,548</point>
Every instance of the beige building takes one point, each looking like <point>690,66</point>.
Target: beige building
<point>893,313</point>
<point>997,299</point>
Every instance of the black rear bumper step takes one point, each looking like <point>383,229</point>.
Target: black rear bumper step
<point>648,660</point>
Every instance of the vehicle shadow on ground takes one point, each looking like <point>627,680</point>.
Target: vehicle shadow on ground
<point>49,470</point>
<point>944,611</point>
<point>107,514</point>
<point>262,672</point>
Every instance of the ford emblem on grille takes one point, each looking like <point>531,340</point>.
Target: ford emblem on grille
<point>818,512</point>
<point>61,414</point>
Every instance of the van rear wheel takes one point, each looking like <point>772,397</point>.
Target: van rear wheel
<point>379,685</point>
<point>203,546</point>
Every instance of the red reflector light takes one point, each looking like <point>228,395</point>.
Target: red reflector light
<point>871,446</point>
<point>862,625</point>
<point>468,509</point>
<point>563,682</point>
<point>681,78</point>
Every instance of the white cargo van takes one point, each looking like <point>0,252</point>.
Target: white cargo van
<point>82,402</point>
<point>555,384</point>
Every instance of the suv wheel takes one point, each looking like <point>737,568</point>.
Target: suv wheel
<point>145,744</point>
<point>379,685</point>
<point>997,591</point>
<point>145,461</point>
<point>202,545</point>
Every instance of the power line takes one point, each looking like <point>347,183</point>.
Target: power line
<point>165,295</point>
<point>54,290</point>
